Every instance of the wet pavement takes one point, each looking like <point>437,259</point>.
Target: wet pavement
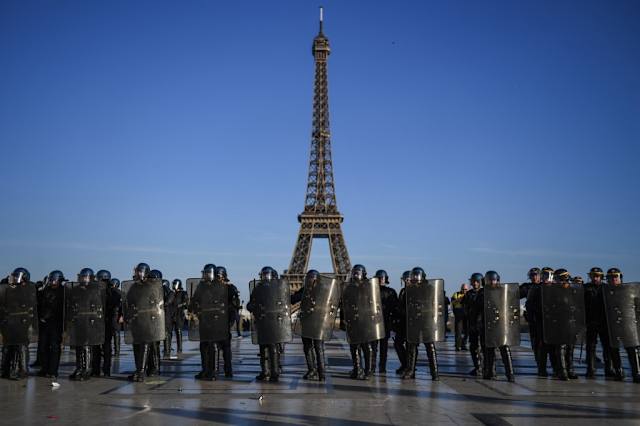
<point>177,398</point>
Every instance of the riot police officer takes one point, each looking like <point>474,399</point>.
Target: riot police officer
<point>389,299</point>
<point>419,278</point>
<point>144,317</point>
<point>473,307</point>
<point>233,303</point>
<point>169,317</point>
<point>116,294</point>
<point>181,302</point>
<point>460,322</point>
<point>491,282</point>
<point>564,352</point>
<point>400,325</point>
<point>596,320</point>
<point>153,361</point>
<point>364,320</point>
<point>51,316</point>
<point>614,280</point>
<point>85,325</point>
<point>535,318</point>
<point>272,327</point>
<point>534,280</point>
<point>18,323</point>
<point>113,301</point>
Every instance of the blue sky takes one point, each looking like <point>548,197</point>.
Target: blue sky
<point>467,136</point>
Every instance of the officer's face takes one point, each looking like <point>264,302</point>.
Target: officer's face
<point>596,279</point>
<point>209,275</point>
<point>494,283</point>
<point>615,280</point>
<point>358,275</point>
<point>140,274</point>
<point>84,279</point>
<point>547,277</point>
<point>535,278</point>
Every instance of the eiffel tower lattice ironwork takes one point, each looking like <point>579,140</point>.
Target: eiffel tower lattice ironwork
<point>320,218</point>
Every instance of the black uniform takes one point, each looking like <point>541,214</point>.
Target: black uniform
<point>399,321</point>
<point>101,355</point>
<point>411,352</point>
<point>535,315</point>
<point>389,299</point>
<point>169,320</point>
<point>181,302</point>
<point>51,318</point>
<point>596,318</point>
<point>313,349</point>
<point>524,294</point>
<point>474,311</point>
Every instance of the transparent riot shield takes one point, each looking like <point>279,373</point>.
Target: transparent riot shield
<point>502,315</point>
<point>143,307</point>
<point>271,316</point>
<point>209,311</point>
<point>425,311</point>
<point>363,311</point>
<point>193,321</point>
<point>84,314</point>
<point>622,305</point>
<point>563,315</point>
<point>318,310</point>
<point>18,314</point>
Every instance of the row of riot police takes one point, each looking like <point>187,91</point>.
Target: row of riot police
<point>562,313</point>
<point>369,311</point>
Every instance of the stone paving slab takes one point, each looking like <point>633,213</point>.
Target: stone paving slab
<point>176,398</point>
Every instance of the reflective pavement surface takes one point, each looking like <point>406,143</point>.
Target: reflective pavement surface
<point>177,398</point>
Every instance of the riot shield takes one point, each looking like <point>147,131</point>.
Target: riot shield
<point>623,314</point>
<point>252,323</point>
<point>193,323</point>
<point>84,316</point>
<point>363,311</point>
<point>502,315</point>
<point>271,316</point>
<point>209,312</point>
<point>425,311</point>
<point>143,306</point>
<point>563,317</point>
<point>18,314</point>
<point>318,309</point>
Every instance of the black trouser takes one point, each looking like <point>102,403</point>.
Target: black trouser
<point>460,331</point>
<point>314,355</point>
<point>412,358</point>
<point>381,346</point>
<point>400,345</point>
<point>140,357</point>
<point>101,355</point>
<point>355,359</point>
<point>236,319</point>
<point>476,343</point>
<point>50,339</point>
<point>270,361</point>
<point>633,353</point>
<point>533,337</point>
<point>593,332</point>
<point>15,362</point>
<point>489,368</point>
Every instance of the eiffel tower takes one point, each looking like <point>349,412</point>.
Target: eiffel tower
<point>320,218</point>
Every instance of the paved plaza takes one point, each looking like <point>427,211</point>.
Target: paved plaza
<point>177,398</point>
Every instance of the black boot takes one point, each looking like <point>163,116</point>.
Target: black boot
<point>96,352</point>
<point>568,354</point>
<point>561,362</point>
<point>489,369</point>
<point>398,344</point>
<point>140,354</point>
<point>265,371</point>
<point>616,364</point>
<point>384,349</point>
<point>634,362</point>
<point>609,370</point>
<point>309,355</point>
<point>116,343</point>
<point>204,347</point>
<point>5,363</point>
<point>357,372</point>
<point>373,349</point>
<point>23,361</point>
<point>53,360</point>
<point>106,361</point>
<point>226,355</point>
<point>14,362</point>
<point>591,360</point>
<point>211,372</point>
<point>179,340</point>
<point>77,373</point>
<point>507,361</point>
<point>433,361</point>
<point>543,354</point>
<point>369,360</point>
<point>166,349</point>
<point>410,365</point>
<point>275,363</point>
<point>476,358</point>
<point>318,346</point>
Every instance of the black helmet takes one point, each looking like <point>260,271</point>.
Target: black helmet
<point>221,274</point>
<point>209,272</point>
<point>86,275</point>
<point>406,275</point>
<point>546,274</point>
<point>155,274</point>
<point>268,274</point>
<point>382,275</point>
<point>103,275</point>
<point>562,275</point>
<point>177,284</point>
<point>115,283</point>
<point>577,280</point>
<point>533,271</point>
<point>311,276</point>
<point>358,272</point>
<point>614,273</point>
<point>476,276</point>
<point>595,272</point>
<point>166,284</point>
<point>141,271</point>
<point>490,276</point>
<point>418,275</point>
<point>20,275</point>
<point>56,277</point>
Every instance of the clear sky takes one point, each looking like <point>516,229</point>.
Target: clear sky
<point>467,136</point>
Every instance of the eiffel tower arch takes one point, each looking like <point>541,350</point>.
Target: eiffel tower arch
<point>320,218</point>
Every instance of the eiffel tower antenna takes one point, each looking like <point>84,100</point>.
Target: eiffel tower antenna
<point>320,218</point>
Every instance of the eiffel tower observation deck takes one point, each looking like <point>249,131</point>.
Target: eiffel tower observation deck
<point>320,218</point>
